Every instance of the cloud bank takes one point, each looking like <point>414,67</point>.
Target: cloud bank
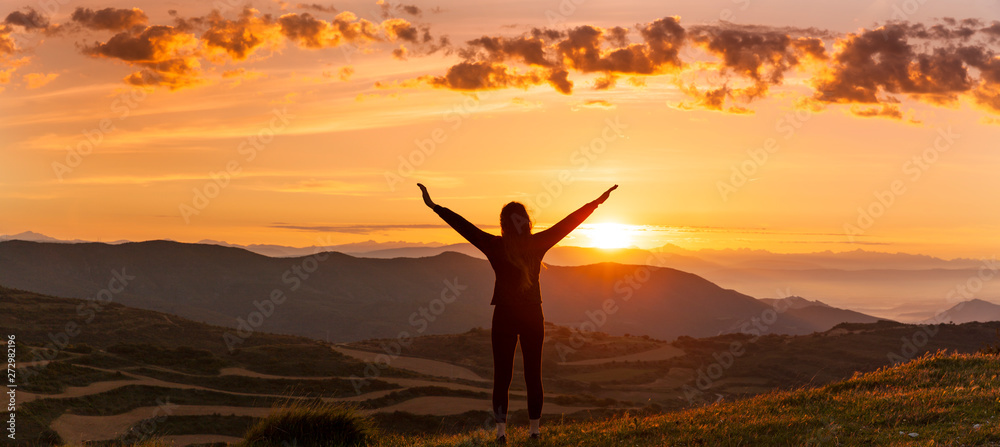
<point>172,55</point>
<point>725,67</point>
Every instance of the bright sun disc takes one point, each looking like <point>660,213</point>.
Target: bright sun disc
<point>608,235</point>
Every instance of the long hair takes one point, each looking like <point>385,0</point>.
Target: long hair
<point>515,228</point>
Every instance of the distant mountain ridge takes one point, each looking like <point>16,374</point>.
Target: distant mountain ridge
<point>898,286</point>
<point>343,298</point>
<point>571,255</point>
<point>968,311</point>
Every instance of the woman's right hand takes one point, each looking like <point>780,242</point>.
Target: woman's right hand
<point>606,194</point>
<point>427,196</point>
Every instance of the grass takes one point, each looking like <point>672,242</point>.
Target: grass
<point>472,350</point>
<point>56,376</point>
<point>605,374</point>
<point>181,358</point>
<point>312,360</point>
<point>396,397</point>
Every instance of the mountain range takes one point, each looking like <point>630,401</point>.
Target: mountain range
<point>338,297</point>
<point>897,286</point>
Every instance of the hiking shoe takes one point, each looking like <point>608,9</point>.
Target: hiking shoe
<point>501,440</point>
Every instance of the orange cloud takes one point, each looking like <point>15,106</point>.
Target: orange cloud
<point>886,110</point>
<point>7,44</point>
<point>36,80</point>
<point>29,20</point>
<point>594,104</point>
<point>172,56</point>
<point>310,32</point>
<point>241,37</point>
<point>167,56</point>
<point>5,75</point>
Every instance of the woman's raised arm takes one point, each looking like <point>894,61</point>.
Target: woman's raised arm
<point>470,232</point>
<point>552,235</point>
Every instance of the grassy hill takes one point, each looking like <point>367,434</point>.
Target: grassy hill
<point>938,399</point>
<point>709,368</point>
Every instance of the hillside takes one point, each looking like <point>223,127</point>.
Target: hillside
<point>106,375</point>
<point>111,374</point>
<point>336,297</point>
<point>940,399</point>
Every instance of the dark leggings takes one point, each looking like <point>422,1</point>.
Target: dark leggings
<point>509,323</point>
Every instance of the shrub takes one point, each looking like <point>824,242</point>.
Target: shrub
<point>315,423</point>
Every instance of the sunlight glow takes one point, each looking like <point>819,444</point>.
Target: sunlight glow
<point>608,235</point>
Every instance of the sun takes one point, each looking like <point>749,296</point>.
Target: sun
<point>608,235</point>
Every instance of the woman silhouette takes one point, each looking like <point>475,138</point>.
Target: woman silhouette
<point>516,257</point>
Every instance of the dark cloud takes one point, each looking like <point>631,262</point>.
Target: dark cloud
<point>930,64</point>
<point>471,76</point>
<point>936,64</point>
<point>992,31</point>
<point>305,30</point>
<point>316,7</point>
<point>111,19</point>
<point>355,229</point>
<point>412,10</point>
<point>29,19</point>
<point>310,32</point>
<point>757,55</point>
<point>559,80</point>
<point>385,9</point>
<point>525,49</point>
<point>550,56</point>
<point>400,53</point>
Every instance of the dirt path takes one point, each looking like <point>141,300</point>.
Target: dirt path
<point>134,379</point>
<point>184,440</point>
<point>418,382</point>
<point>424,366</point>
<point>75,429</point>
<point>248,373</point>
<point>439,406</point>
<point>662,353</point>
<point>77,391</point>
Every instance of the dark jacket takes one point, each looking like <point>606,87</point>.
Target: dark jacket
<point>507,289</point>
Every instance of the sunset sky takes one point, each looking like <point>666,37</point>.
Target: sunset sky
<point>870,125</point>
